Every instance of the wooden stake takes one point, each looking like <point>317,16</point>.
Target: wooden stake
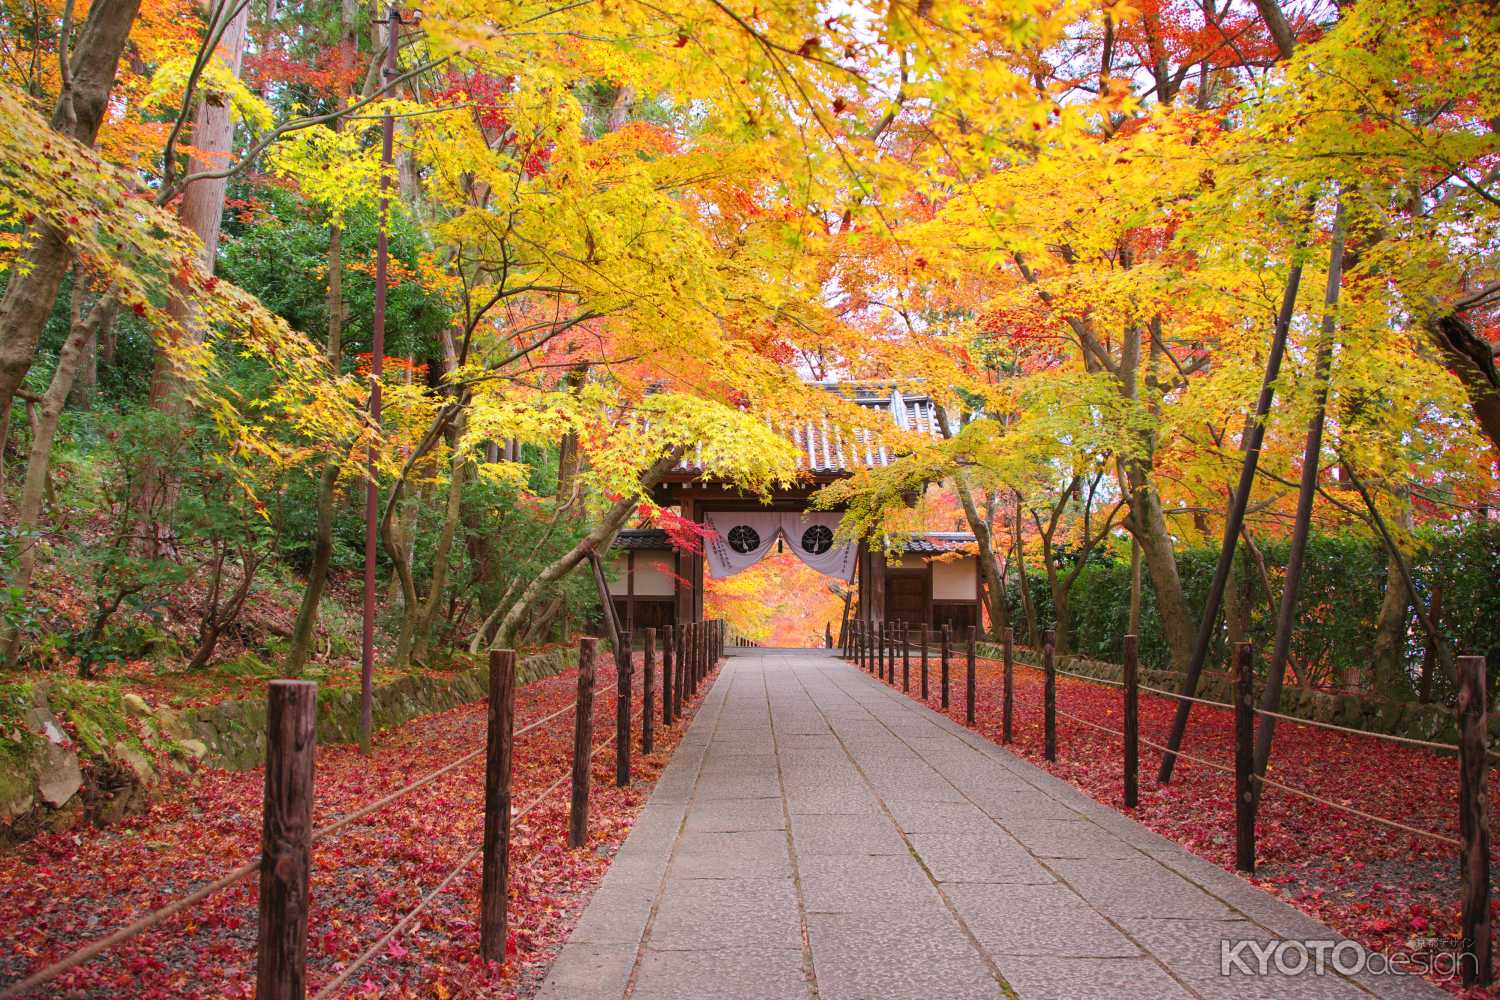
<point>1007,707</point>
<point>906,656</point>
<point>286,840</point>
<point>1132,723</point>
<point>1473,821</point>
<point>923,638</point>
<point>583,742</point>
<point>679,690</point>
<point>666,676</point>
<point>969,682</point>
<point>947,652</point>
<point>648,692</point>
<point>1244,758</point>
<point>625,668</point>
<point>494,886</point>
<point>1049,694</point>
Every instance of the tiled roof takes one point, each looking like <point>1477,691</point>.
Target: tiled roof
<point>938,542</point>
<point>641,538</point>
<point>927,543</point>
<point>828,451</point>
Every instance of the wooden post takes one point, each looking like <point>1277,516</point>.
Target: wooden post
<point>679,690</point>
<point>1244,758</point>
<point>1007,702</point>
<point>906,657</point>
<point>648,691</point>
<point>1049,694</point>
<point>625,669</point>
<point>859,643</point>
<point>947,654</point>
<point>969,682</point>
<point>494,885</point>
<point>697,656</point>
<point>1132,723</point>
<point>923,638</point>
<point>882,636</point>
<point>1473,821</point>
<point>286,839</point>
<point>666,676</point>
<point>583,742</point>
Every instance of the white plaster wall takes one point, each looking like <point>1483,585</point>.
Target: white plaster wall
<point>955,579</point>
<point>653,574</point>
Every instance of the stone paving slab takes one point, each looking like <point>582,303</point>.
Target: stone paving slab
<point>820,836</point>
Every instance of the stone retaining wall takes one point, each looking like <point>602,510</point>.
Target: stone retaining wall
<point>51,782</point>
<point>233,733</point>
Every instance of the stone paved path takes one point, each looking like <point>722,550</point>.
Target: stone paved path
<point>819,835</point>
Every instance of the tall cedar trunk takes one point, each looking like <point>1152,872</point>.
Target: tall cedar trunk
<point>36,277</point>
<point>596,540</point>
<point>989,563</point>
<point>200,210</point>
<point>83,332</point>
<point>317,577</point>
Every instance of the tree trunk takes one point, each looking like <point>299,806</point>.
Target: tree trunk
<point>568,457</point>
<point>428,613</point>
<point>37,275</point>
<point>80,341</point>
<point>1148,524</point>
<point>1134,627</point>
<point>989,564</point>
<point>201,211</point>
<point>596,540</point>
<point>317,577</point>
<point>1389,651</point>
<point>1028,609</point>
<point>1238,597</point>
<point>201,208</point>
<point>1471,358</point>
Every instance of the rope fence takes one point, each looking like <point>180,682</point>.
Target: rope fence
<point>874,646</point>
<point>331,988</point>
<point>281,945</point>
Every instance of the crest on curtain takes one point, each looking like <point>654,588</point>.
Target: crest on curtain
<point>743,538</point>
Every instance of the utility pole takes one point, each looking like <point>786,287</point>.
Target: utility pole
<point>377,359</point>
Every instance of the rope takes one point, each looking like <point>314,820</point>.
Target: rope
<point>400,926</point>
<point>130,930</point>
<point>426,901</point>
<point>1358,732</point>
<point>155,917</point>
<point>1187,697</point>
<point>1086,722</point>
<point>1187,756</point>
<point>1091,680</point>
<point>1358,812</point>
